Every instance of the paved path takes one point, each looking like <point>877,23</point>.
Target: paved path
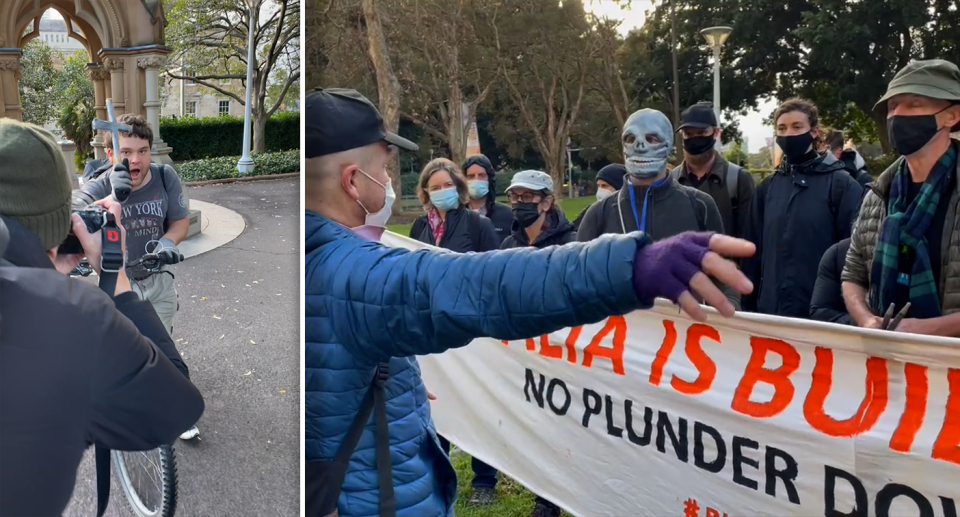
<point>238,329</point>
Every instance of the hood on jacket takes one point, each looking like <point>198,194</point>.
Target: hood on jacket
<point>823,164</point>
<point>557,225</point>
<point>483,161</point>
<point>24,248</point>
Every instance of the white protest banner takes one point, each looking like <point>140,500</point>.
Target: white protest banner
<point>654,414</point>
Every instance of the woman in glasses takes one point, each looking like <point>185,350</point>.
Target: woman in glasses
<point>539,222</point>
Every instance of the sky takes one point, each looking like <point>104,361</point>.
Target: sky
<point>751,125</point>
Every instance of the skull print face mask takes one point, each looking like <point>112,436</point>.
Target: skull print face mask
<point>647,140</point>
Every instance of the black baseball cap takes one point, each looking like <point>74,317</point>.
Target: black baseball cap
<point>340,119</point>
<point>699,116</point>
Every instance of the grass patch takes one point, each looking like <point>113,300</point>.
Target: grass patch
<point>513,500</point>
<point>571,207</point>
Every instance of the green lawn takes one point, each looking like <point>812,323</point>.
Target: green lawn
<point>572,207</point>
<point>513,500</point>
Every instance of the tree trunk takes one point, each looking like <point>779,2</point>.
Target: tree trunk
<point>258,128</point>
<point>456,125</point>
<point>881,123</point>
<point>556,168</point>
<point>388,86</point>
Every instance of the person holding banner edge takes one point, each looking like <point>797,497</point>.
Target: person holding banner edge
<point>906,241</point>
<point>369,310</point>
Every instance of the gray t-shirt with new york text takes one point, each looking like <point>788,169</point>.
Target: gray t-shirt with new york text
<point>146,209</point>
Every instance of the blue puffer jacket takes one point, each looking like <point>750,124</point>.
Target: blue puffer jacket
<point>366,303</point>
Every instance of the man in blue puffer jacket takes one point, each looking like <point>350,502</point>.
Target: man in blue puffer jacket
<point>371,309</point>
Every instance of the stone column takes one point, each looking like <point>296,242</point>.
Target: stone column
<point>115,66</point>
<point>151,65</point>
<point>69,149</point>
<point>10,69</point>
<point>100,77</point>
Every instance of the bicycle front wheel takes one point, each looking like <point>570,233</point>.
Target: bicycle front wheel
<point>149,480</point>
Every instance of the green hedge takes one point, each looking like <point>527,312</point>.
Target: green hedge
<point>209,137</point>
<point>224,167</point>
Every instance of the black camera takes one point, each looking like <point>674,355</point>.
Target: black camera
<point>94,217</point>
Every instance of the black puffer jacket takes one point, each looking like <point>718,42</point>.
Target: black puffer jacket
<point>77,368</point>
<point>464,231</point>
<point>796,215</point>
<point>499,214</point>
<point>827,302</point>
<point>559,231</point>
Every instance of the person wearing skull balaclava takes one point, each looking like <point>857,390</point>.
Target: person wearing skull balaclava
<point>651,200</point>
<point>808,205</point>
<point>705,169</point>
<point>482,182</point>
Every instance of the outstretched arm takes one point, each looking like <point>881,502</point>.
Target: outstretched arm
<point>392,302</point>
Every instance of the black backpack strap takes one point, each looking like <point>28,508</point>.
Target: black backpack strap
<point>373,402</point>
<point>102,458</point>
<point>388,499</point>
<point>733,183</point>
<point>110,263</point>
<point>837,184</point>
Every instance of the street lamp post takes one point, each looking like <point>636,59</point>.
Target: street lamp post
<point>245,165</point>
<point>715,37</point>
<point>570,151</point>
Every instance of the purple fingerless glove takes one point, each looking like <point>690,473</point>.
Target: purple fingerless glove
<point>664,269</point>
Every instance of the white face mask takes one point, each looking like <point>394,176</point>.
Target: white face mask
<point>603,194</point>
<point>380,218</point>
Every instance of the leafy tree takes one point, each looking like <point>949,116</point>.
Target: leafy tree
<point>545,52</point>
<point>736,154</point>
<point>37,86</point>
<point>855,48</point>
<point>745,75</point>
<point>75,106</point>
<point>211,36</point>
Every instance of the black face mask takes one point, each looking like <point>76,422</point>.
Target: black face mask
<point>526,213</point>
<point>698,144</point>
<point>909,134</point>
<point>795,146</point>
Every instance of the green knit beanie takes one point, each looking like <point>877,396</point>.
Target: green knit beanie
<point>34,187</point>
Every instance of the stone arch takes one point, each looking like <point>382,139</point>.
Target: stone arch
<point>124,40</point>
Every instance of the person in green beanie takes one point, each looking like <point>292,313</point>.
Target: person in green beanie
<point>77,367</point>
<point>906,242</point>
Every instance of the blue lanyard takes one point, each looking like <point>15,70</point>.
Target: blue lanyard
<point>642,222</point>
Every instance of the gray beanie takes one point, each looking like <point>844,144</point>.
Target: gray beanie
<point>34,187</point>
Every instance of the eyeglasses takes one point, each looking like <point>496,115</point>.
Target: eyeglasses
<point>526,197</point>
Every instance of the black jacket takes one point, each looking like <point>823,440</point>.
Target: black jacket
<point>502,218</point>
<point>457,234</point>
<point>735,212</point>
<point>77,368</point>
<point>499,214</point>
<point>796,215</point>
<point>827,301</point>
<point>861,175</point>
<point>559,232</point>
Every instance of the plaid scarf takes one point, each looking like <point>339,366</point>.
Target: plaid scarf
<point>905,226</point>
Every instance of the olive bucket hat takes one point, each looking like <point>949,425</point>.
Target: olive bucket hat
<point>934,78</point>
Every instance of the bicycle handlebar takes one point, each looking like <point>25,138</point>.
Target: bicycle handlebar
<point>151,262</point>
